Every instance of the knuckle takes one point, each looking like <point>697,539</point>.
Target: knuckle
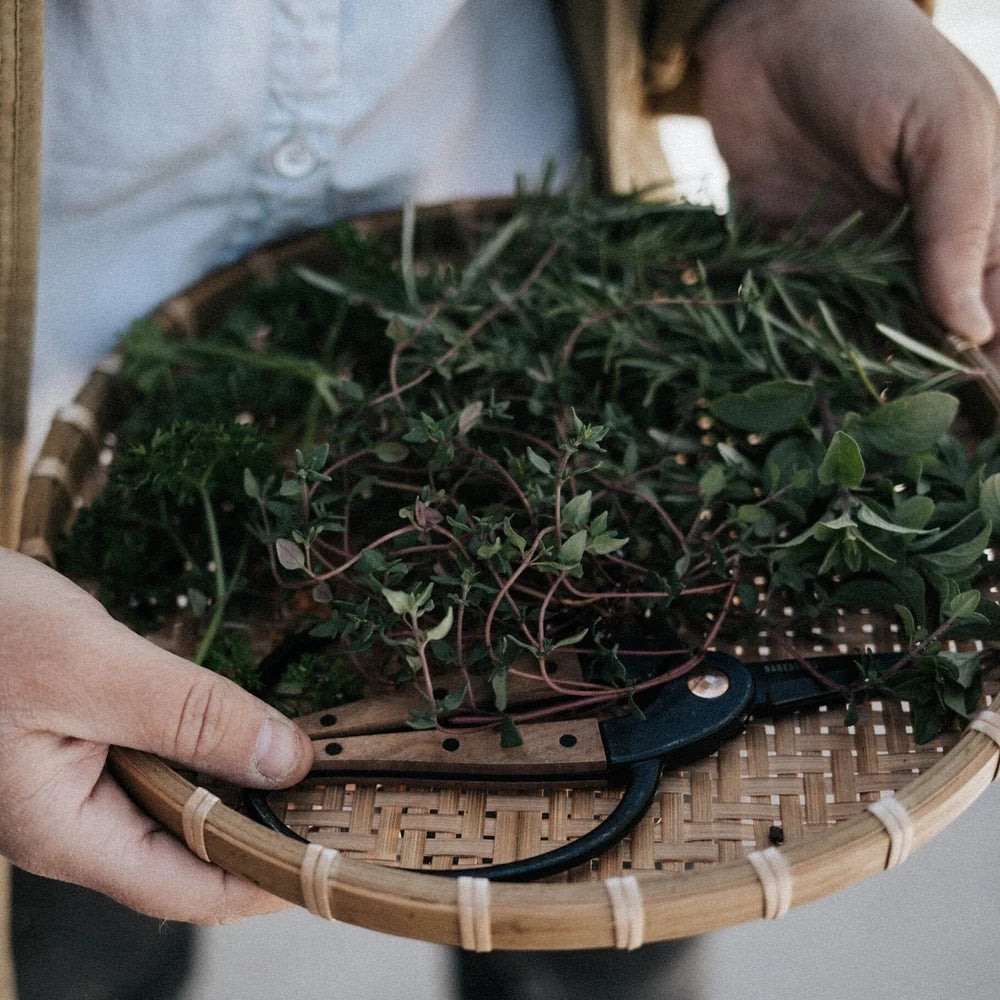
<point>971,240</point>
<point>203,723</point>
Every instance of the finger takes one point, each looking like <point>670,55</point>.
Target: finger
<point>991,274</point>
<point>146,868</point>
<point>75,823</point>
<point>950,167</point>
<point>991,296</point>
<point>152,700</point>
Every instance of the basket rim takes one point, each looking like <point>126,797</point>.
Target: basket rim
<point>471,912</point>
<point>554,916</point>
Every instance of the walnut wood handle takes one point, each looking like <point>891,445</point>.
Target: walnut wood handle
<point>387,710</point>
<point>568,749</point>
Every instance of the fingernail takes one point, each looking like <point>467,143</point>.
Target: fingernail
<point>971,318</point>
<point>277,752</point>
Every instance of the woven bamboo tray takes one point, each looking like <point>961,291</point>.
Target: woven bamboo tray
<point>787,813</point>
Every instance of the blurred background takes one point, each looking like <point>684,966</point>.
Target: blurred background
<point>930,928</point>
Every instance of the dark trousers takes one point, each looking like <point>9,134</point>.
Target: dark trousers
<point>664,971</point>
<point>74,944</point>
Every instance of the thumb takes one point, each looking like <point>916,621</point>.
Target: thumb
<point>950,186</point>
<point>192,716</point>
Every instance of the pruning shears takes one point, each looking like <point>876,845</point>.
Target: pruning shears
<point>687,719</point>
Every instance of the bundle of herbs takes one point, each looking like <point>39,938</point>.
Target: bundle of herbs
<point>612,415</point>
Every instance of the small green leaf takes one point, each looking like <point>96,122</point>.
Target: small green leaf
<point>606,543</point>
<point>391,452</point>
<point>749,514</point>
<point>399,600</point>
<point>921,349</point>
<point>396,330</point>
<point>469,416</point>
<point>954,697</point>
<point>538,462</point>
<point>251,486</point>
<point>510,735</point>
<point>570,640</point>
<point>871,517</point>
<point>959,557</point>
<point>825,530</point>
<point>443,627</point>
<point>422,719</point>
<point>907,425</point>
<point>487,552</point>
<point>573,548</point>
<point>197,601</point>
<point>967,667</point>
<point>748,595</point>
<point>290,555</point>
<point>371,561</point>
<point>499,684</point>
<point>735,459</point>
<point>842,465</point>
<point>423,599</point>
<point>518,541</point>
<point>712,482</point>
<point>963,605</point>
<point>767,407</point>
<point>989,498</point>
<point>928,720</point>
<point>914,512</point>
<point>576,511</point>
<point>906,617</point>
<point>453,699</point>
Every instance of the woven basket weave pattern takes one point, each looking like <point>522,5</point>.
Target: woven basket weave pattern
<point>797,776</point>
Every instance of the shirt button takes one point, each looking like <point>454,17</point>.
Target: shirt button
<point>293,159</point>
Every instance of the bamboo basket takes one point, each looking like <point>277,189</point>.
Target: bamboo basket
<point>849,802</point>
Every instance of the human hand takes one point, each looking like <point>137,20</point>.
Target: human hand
<point>870,107</point>
<point>72,682</point>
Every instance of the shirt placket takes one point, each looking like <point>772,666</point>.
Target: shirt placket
<point>299,127</point>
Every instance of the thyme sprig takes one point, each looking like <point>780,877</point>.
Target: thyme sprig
<point>614,415</point>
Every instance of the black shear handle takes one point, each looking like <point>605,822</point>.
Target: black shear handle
<point>640,790</point>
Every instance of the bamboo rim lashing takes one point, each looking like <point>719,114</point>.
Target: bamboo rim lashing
<point>848,801</point>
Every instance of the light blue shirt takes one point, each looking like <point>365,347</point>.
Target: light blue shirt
<point>179,134</point>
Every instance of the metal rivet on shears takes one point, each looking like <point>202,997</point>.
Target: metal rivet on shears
<point>708,683</point>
